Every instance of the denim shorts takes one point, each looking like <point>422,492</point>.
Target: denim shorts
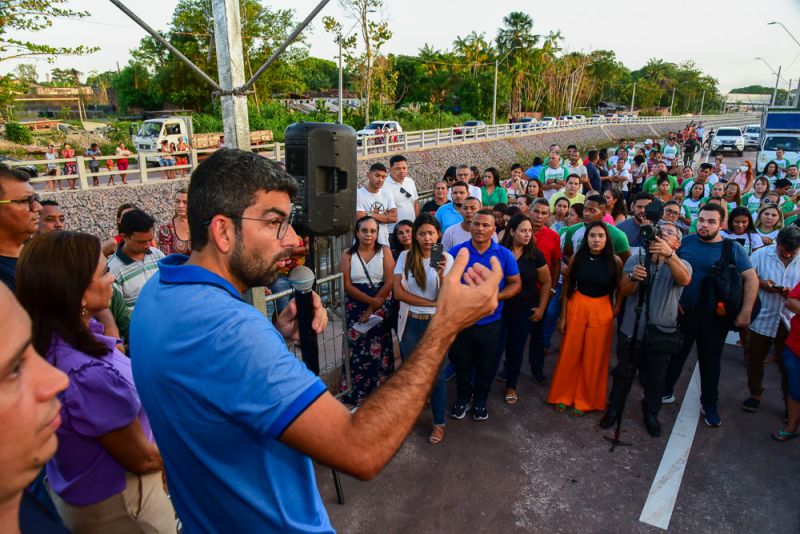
<point>791,363</point>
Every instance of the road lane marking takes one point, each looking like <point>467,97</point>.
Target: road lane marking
<point>660,502</point>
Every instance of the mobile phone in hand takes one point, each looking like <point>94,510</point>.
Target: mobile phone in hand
<point>437,254</point>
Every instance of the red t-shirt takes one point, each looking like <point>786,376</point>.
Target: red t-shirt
<point>548,242</point>
<point>793,341</point>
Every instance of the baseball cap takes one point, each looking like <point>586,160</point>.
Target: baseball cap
<point>648,141</point>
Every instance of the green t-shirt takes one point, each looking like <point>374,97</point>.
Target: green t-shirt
<point>575,233</point>
<point>549,174</point>
<point>691,208</point>
<point>651,184</point>
<point>498,195</point>
<point>751,202</point>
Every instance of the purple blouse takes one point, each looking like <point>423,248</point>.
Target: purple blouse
<point>101,397</point>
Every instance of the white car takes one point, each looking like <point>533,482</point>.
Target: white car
<point>730,139</point>
<point>580,118</point>
<point>372,128</point>
<point>752,135</point>
<point>548,121</point>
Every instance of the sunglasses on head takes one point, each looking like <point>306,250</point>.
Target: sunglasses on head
<point>406,193</point>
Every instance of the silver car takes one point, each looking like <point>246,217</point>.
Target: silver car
<point>752,134</point>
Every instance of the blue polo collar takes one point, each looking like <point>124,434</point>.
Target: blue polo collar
<point>173,270</point>
<point>492,248</point>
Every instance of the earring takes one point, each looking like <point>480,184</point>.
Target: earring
<point>84,311</point>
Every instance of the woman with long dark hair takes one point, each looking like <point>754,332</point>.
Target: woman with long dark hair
<point>523,314</point>
<point>615,205</point>
<point>401,237</point>
<point>742,229</point>
<point>416,286</point>
<point>170,235</point>
<point>587,322</point>
<point>367,268</point>
<point>492,192</point>
<point>106,457</point>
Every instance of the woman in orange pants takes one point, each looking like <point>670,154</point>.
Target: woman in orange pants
<point>587,322</point>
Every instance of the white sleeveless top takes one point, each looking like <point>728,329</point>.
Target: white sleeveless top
<point>374,267</point>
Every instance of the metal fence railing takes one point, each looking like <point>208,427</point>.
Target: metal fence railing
<point>144,169</point>
<point>334,360</point>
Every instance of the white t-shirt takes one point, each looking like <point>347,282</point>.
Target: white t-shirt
<point>402,200</point>
<point>623,173</point>
<point>431,281</point>
<point>455,235</point>
<point>382,201</point>
<point>549,175</point>
<point>752,241</point>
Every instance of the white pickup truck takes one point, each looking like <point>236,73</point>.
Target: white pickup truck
<point>780,128</point>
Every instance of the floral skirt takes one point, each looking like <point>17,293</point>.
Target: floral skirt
<point>371,354</point>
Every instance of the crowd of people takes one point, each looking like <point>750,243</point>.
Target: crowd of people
<point>129,330</point>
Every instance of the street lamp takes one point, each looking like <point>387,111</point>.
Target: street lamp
<point>797,91</point>
<point>494,100</point>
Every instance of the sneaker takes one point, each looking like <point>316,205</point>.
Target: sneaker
<point>540,378</point>
<point>501,376</point>
<point>480,413</point>
<point>459,410</point>
<point>750,404</point>
<point>668,399</point>
<point>711,417</point>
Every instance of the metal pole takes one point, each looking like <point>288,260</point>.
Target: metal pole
<point>633,96</point>
<point>775,90</point>
<point>494,99</point>
<point>228,37</point>
<point>289,40</point>
<point>672,102</point>
<point>788,94</point>
<point>341,84</point>
<point>702,101</point>
<point>157,36</point>
<point>571,90</point>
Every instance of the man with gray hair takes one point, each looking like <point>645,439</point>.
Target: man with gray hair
<point>778,270</point>
<point>658,336</point>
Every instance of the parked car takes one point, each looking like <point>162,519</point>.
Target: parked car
<point>470,128</point>
<point>525,123</point>
<point>372,128</point>
<point>728,138</point>
<point>580,118</point>
<point>596,118</point>
<point>548,122</point>
<point>30,169</point>
<point>752,134</point>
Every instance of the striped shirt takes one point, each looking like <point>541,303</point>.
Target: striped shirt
<point>769,266</point>
<point>131,274</point>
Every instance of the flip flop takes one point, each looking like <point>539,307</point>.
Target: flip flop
<point>574,412</point>
<point>782,435</point>
<point>511,396</point>
<point>437,435</point>
<point>560,407</point>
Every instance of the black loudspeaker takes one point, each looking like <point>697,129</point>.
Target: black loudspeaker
<point>322,158</point>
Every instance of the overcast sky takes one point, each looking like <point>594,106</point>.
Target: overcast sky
<point>721,37</point>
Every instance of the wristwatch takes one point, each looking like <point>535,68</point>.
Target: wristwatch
<point>631,278</point>
<point>552,291</point>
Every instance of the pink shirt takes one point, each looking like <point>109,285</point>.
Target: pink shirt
<point>608,219</point>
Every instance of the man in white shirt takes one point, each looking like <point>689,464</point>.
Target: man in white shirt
<point>622,154</point>
<point>464,174</point>
<point>376,202</point>
<point>574,165</point>
<point>403,189</point>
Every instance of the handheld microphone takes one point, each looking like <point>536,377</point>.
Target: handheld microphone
<point>302,281</point>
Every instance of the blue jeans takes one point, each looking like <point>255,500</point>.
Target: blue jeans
<point>551,316</point>
<point>411,336</point>
<point>281,284</point>
<point>517,328</point>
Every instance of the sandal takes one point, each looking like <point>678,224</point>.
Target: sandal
<point>782,435</point>
<point>511,396</point>
<point>560,407</point>
<point>574,412</point>
<point>437,435</point>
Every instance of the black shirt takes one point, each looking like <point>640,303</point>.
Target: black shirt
<point>34,518</point>
<point>8,268</point>
<point>528,298</point>
<point>431,206</point>
<point>594,278</point>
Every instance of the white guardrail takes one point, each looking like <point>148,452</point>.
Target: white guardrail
<point>138,171</point>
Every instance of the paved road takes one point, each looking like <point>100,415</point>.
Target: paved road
<point>529,469</point>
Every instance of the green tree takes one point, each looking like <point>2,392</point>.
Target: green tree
<point>26,73</point>
<point>32,16</point>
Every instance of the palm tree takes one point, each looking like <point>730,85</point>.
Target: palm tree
<point>516,39</point>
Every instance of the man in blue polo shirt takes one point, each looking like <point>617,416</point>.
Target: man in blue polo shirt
<point>238,417</point>
<point>475,349</point>
<point>450,213</point>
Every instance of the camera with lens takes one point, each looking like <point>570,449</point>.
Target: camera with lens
<point>650,230</point>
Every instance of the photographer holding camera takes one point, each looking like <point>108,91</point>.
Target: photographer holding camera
<point>653,286</point>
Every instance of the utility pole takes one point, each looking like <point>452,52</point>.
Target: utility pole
<point>494,99</point>
<point>672,102</point>
<point>702,101</point>
<point>571,90</point>
<point>775,91</point>
<point>789,93</point>
<point>633,96</point>
<point>340,115</point>
<point>228,38</point>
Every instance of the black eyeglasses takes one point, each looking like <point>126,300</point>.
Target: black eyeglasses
<point>406,193</point>
<point>282,225</point>
<point>30,201</point>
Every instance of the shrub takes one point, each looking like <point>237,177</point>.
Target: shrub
<point>17,133</point>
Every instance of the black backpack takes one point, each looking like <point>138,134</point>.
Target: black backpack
<point>722,288</point>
